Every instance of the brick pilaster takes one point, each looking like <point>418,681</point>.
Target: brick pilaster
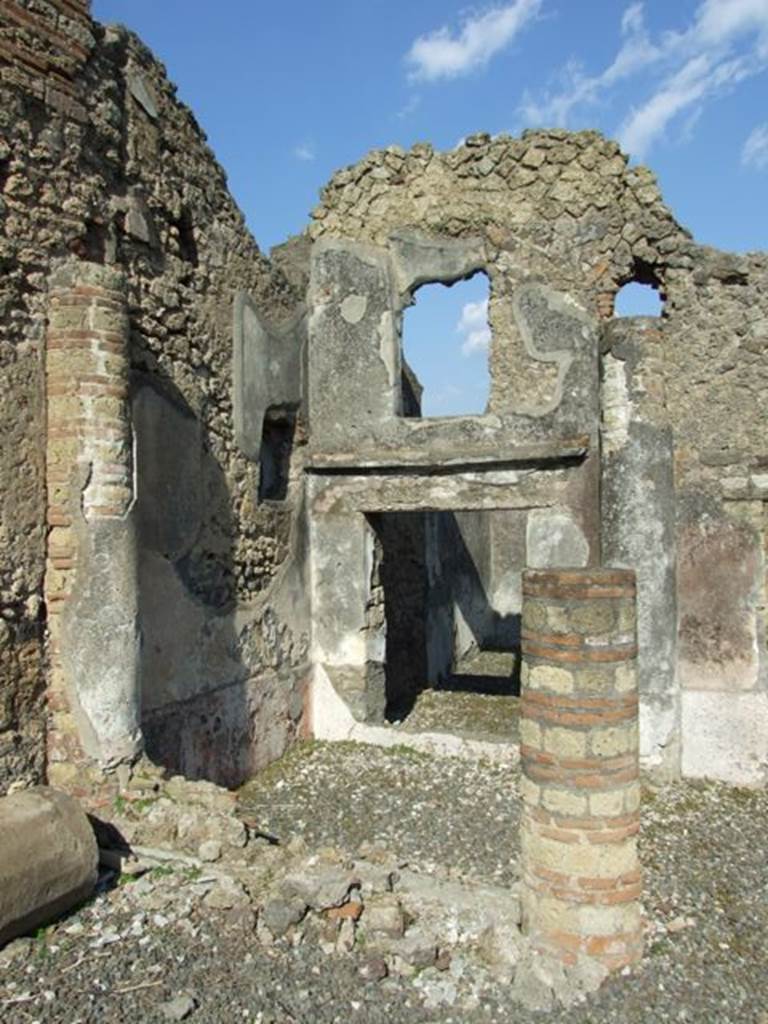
<point>89,462</point>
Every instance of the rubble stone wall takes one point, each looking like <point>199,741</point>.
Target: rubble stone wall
<point>100,162</point>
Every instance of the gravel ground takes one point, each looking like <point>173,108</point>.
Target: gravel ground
<point>424,810</point>
<point>473,716</point>
<point>124,956</point>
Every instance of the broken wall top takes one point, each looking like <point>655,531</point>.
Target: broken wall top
<point>564,211</point>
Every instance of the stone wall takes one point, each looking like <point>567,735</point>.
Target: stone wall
<point>652,433</point>
<point>683,461</point>
<point>99,162</point>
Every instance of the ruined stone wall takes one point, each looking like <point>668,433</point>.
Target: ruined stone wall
<point>43,47</point>
<point>565,211</point>
<point>558,208</point>
<point>716,345</point>
<point>100,162</point>
<point>101,166</point>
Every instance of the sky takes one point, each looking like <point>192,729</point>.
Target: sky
<point>288,93</point>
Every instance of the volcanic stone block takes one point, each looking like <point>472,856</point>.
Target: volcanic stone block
<point>48,859</point>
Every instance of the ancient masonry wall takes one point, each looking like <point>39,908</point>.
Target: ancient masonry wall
<point>101,164</point>
<point>683,399</point>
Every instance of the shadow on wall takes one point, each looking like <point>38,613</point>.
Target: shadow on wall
<point>195,706</point>
<point>442,628</point>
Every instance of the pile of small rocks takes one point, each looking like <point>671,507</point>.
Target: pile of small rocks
<point>453,937</point>
<point>175,936</point>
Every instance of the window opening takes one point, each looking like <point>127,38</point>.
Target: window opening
<point>275,455</point>
<point>638,299</point>
<point>445,344</point>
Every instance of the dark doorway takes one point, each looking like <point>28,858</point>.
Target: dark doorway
<point>442,631</point>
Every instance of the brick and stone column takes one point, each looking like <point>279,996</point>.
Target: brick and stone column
<point>579,750</point>
<point>91,569</point>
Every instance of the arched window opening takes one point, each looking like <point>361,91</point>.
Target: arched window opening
<point>445,344</point>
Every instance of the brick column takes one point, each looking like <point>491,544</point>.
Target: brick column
<point>579,741</point>
<point>90,582</point>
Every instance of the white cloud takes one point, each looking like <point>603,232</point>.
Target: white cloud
<point>681,90</point>
<point>409,107</point>
<point>305,152</point>
<point>635,54</point>
<point>473,324</point>
<point>698,79</point>
<point>441,54</point>
<point>725,43</point>
<point>755,151</point>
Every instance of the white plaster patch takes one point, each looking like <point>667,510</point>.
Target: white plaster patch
<point>616,406</point>
<point>658,729</point>
<point>500,477</point>
<point>508,593</point>
<point>554,539</point>
<point>725,736</point>
<point>389,349</point>
<point>353,308</point>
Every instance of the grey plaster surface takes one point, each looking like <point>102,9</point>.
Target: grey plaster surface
<point>638,513</point>
<point>419,258</point>
<point>100,646</point>
<point>354,353</point>
<point>169,505</point>
<point>554,538</point>
<point>267,369</point>
<point>556,330</point>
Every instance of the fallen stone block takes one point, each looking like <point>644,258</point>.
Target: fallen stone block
<point>322,888</point>
<point>48,859</point>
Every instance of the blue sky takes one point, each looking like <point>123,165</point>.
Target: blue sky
<point>288,93</point>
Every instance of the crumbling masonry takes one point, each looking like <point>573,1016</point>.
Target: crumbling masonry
<point>220,506</point>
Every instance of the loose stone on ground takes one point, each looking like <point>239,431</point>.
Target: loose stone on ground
<point>148,940</point>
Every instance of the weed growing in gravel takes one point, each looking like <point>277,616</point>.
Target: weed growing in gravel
<point>162,871</point>
<point>41,936</point>
<point>402,750</point>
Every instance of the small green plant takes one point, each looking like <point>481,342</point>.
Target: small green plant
<point>162,871</point>
<point>124,805</point>
<point>403,750</point>
<point>124,879</point>
<point>41,936</point>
